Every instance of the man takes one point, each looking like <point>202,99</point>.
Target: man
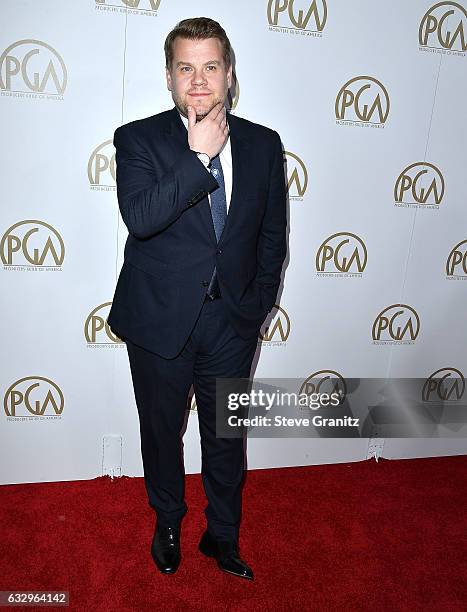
<point>202,194</point>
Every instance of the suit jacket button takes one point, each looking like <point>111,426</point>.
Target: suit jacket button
<point>205,283</point>
<point>219,251</point>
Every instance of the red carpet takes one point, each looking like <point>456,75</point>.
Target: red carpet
<point>361,536</point>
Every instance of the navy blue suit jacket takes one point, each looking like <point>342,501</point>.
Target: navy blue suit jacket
<point>171,249</point>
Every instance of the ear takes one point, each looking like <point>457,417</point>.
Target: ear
<point>229,76</point>
<point>168,77</point>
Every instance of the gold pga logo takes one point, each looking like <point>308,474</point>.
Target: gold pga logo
<point>397,323</point>
<point>277,331</point>
<point>362,101</point>
<point>34,396</point>
<point>101,167</point>
<point>446,384</point>
<point>152,5</point>
<point>33,67</point>
<point>456,264</point>
<point>325,381</point>
<point>32,244</point>
<point>342,254</point>
<point>308,21</point>
<point>96,329</point>
<point>419,185</point>
<point>444,27</point>
<point>297,176</point>
<point>143,7</point>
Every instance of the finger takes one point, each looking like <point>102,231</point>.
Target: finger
<point>191,116</point>
<point>216,111</point>
<point>221,116</point>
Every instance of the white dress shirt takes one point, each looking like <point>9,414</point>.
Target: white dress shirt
<point>225,157</point>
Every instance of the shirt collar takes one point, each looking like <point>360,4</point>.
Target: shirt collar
<point>184,119</point>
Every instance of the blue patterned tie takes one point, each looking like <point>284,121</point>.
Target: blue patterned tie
<point>219,215</point>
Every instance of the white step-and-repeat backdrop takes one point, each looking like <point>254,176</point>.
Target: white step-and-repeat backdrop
<point>370,102</point>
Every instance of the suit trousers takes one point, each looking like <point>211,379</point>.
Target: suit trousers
<point>161,386</point>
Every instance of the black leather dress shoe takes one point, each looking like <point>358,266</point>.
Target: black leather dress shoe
<point>226,555</point>
<point>165,549</point>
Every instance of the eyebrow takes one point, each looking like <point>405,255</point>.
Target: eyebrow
<point>205,64</point>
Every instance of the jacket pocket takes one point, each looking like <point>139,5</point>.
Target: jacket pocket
<point>148,264</point>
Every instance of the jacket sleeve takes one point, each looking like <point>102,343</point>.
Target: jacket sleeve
<point>272,241</point>
<point>149,203</point>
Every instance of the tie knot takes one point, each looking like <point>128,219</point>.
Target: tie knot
<point>216,162</point>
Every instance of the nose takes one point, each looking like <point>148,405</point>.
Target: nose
<point>199,78</point>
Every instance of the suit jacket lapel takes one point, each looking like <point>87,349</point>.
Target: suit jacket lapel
<point>239,149</point>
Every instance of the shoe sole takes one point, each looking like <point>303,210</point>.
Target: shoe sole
<point>234,574</point>
<point>167,572</point>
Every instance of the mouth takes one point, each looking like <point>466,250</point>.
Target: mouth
<point>198,94</point>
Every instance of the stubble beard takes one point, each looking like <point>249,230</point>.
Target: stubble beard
<point>182,106</point>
